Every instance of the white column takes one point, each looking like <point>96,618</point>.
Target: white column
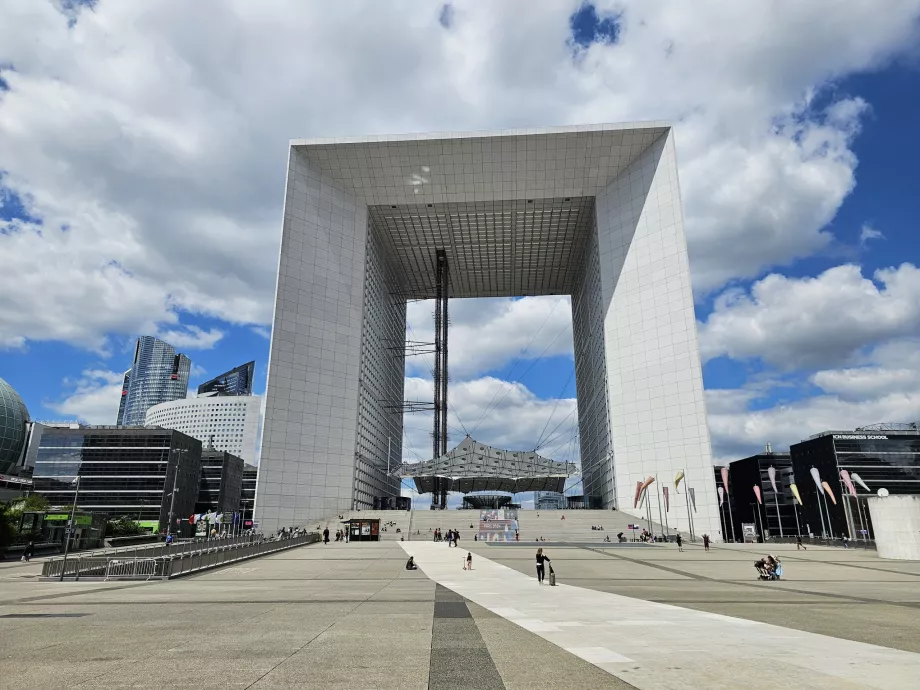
<point>308,447</point>
<point>656,405</point>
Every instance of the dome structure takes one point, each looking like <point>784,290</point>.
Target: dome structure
<point>13,419</point>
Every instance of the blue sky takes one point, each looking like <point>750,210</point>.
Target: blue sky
<point>142,185</point>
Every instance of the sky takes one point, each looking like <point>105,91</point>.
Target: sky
<point>143,152</point>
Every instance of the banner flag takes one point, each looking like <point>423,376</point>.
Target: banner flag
<point>721,495</point>
<point>667,502</point>
<point>817,477</point>
<point>830,494</point>
<point>858,480</point>
<point>677,478</point>
<point>638,492</point>
<point>795,492</point>
<point>692,493</point>
<point>757,493</point>
<point>771,472</point>
<point>845,476</point>
<point>724,472</point>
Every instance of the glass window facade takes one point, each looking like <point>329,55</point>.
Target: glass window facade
<point>889,460</point>
<point>221,482</point>
<point>248,491</point>
<point>776,515</point>
<point>14,418</point>
<point>123,472</point>
<point>237,381</point>
<point>158,374</point>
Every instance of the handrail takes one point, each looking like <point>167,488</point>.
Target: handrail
<point>173,564</point>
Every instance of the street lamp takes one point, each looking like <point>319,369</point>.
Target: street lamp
<point>71,525</point>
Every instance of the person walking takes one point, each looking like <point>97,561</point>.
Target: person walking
<point>28,552</point>
<point>540,565</point>
<point>456,538</point>
<point>326,536</point>
<point>798,543</point>
<point>680,543</point>
<point>469,561</point>
<point>706,542</point>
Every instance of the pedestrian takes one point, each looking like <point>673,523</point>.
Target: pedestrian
<point>540,567</point>
<point>799,544</point>
<point>469,561</point>
<point>326,536</point>
<point>706,542</point>
<point>456,538</point>
<point>28,552</point>
<point>680,543</point>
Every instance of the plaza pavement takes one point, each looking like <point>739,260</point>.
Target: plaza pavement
<point>350,616</point>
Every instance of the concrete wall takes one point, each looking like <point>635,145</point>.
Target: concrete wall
<point>896,522</point>
<point>657,410</point>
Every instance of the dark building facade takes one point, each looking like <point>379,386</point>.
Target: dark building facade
<point>221,483</point>
<point>237,381</point>
<point>124,471</point>
<point>248,493</point>
<point>888,459</point>
<point>776,514</point>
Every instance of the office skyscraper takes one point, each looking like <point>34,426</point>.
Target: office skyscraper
<point>124,397</point>
<point>158,374</point>
<point>237,381</point>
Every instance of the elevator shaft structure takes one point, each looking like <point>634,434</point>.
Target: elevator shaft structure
<point>439,437</point>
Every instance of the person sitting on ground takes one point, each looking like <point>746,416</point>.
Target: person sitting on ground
<point>410,564</point>
<point>607,538</point>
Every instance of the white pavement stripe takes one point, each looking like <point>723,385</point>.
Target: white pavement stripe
<point>655,646</point>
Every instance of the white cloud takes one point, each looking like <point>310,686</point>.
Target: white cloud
<point>518,419</point>
<point>487,334</point>
<point>192,337</point>
<point>740,431</point>
<point>814,322</point>
<point>156,133</point>
<point>94,398</point>
<point>867,233</point>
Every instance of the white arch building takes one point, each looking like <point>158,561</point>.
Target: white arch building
<point>232,421</point>
<point>593,212</point>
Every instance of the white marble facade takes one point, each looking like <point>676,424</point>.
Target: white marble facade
<point>362,219</point>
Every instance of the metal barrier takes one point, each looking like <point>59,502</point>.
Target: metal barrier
<point>176,562</point>
<point>131,569</point>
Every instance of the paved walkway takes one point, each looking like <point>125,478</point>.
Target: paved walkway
<point>350,617</point>
<point>652,645</point>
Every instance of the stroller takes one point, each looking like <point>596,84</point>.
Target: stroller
<point>767,570</point>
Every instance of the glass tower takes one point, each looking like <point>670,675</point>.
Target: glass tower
<point>237,381</point>
<point>158,374</point>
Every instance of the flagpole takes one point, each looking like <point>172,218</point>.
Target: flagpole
<point>660,514</point>
<point>795,511</point>
<point>71,527</point>
<point>763,537</point>
<point>820,513</point>
<point>731,519</point>
<point>827,511</point>
<point>667,527</point>
<point>687,490</point>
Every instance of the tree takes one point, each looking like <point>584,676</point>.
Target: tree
<point>123,527</point>
<point>7,531</point>
<point>33,503</point>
